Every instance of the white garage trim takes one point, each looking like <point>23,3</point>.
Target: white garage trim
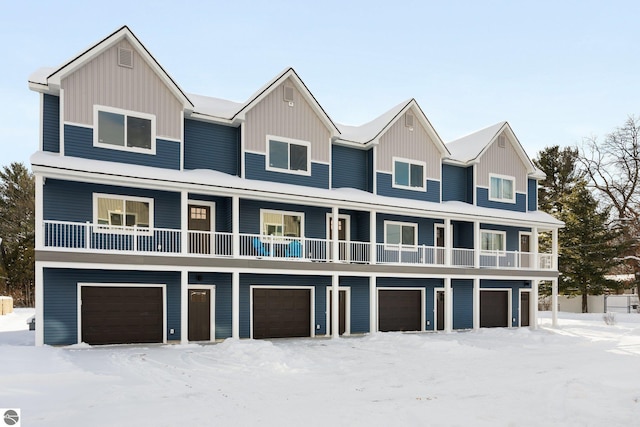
<point>312,322</point>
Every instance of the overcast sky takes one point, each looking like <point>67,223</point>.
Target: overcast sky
<point>558,71</point>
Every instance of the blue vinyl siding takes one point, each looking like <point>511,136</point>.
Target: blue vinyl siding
<point>73,201</point>
<point>462,234</point>
<point>514,285</point>
<point>385,188</point>
<point>359,303</point>
<point>425,227</point>
<point>255,169</point>
<point>319,283</point>
<point>211,146</point>
<point>427,284</point>
<point>513,234</point>
<point>78,142</point>
<point>223,303</point>
<point>51,123</point>
<point>519,206</point>
<point>533,195</point>
<point>359,225</point>
<point>315,218</point>
<point>61,298</point>
<point>455,183</point>
<point>462,303</point>
<point>223,210</point>
<point>350,168</point>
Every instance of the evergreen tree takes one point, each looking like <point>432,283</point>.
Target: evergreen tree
<point>17,216</point>
<point>560,166</point>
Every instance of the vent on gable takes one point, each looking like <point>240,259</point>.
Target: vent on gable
<point>502,141</point>
<point>408,120</point>
<point>125,57</point>
<point>288,94</point>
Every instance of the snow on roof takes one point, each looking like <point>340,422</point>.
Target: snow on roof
<point>219,181</point>
<point>369,131</point>
<point>470,146</point>
<point>215,107</point>
<point>40,75</point>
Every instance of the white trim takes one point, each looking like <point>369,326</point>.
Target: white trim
<point>212,213</point>
<point>39,210</point>
<point>347,225</point>
<point>423,188</point>
<point>520,292</point>
<point>182,140</point>
<point>504,240</point>
<point>61,118</point>
<point>330,164</point>
<point>392,246</point>
<point>374,159</point>
<point>212,309</point>
<point>128,285</point>
<point>283,213</point>
<point>312,321</point>
<point>509,301</point>
<point>347,310</point>
<point>41,127</point>
<point>289,142</point>
<point>105,228</point>
<point>243,152</point>
<point>39,302</point>
<point>503,178</point>
<point>126,113</point>
<point>435,309</point>
<point>403,288</point>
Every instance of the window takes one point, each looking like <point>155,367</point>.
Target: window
<point>288,155</point>
<point>502,188</point>
<point>282,224</point>
<point>124,130</point>
<point>122,211</point>
<point>408,174</point>
<point>400,233</point>
<point>492,240</point>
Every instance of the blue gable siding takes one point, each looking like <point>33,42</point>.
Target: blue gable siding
<point>51,123</point>
<point>223,303</point>
<point>73,201</point>
<point>385,188</point>
<point>427,284</point>
<point>514,285</point>
<point>315,218</point>
<point>462,303</point>
<point>513,234</point>
<point>455,183</point>
<point>255,169</point>
<point>350,168</point>
<point>532,191</point>
<point>61,299</point>
<point>359,225</point>
<point>223,210</point>
<point>359,302</point>
<point>211,146</point>
<point>78,142</point>
<point>425,227</point>
<point>519,206</point>
<point>462,234</point>
<point>319,283</point>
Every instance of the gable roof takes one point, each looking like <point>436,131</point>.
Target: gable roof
<point>372,131</point>
<point>50,78</point>
<point>469,148</point>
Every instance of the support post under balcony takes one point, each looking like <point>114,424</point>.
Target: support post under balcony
<point>184,221</point>
<point>533,305</point>
<point>39,217</point>
<point>448,302</point>
<point>448,244</point>
<point>235,226</point>
<point>184,307</point>
<point>335,306</point>
<point>335,245</point>
<point>235,305</point>
<point>536,250</point>
<point>476,303</point>
<point>372,238</point>
<point>554,249</point>
<point>373,304</point>
<point>554,303</point>
<point>476,244</point>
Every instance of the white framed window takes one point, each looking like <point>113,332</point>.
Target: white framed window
<point>400,233</point>
<point>493,240</point>
<point>118,129</point>
<point>113,212</point>
<point>409,174</point>
<point>288,155</point>
<point>281,223</point>
<point>502,188</point>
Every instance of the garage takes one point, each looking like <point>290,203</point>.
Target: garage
<point>399,310</point>
<point>122,314</point>
<point>494,309</point>
<point>281,313</point>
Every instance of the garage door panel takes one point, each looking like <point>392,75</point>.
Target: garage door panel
<point>121,315</point>
<point>399,310</point>
<point>281,313</point>
<point>494,309</point>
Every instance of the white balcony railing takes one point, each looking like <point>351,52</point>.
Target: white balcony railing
<point>61,235</point>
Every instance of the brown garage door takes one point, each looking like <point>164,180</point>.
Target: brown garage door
<point>399,310</point>
<point>494,309</point>
<point>281,313</point>
<point>121,315</point>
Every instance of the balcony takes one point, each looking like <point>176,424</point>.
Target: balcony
<point>96,238</point>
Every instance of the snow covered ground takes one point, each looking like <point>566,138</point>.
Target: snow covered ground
<point>584,373</point>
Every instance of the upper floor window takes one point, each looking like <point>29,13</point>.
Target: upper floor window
<point>282,224</point>
<point>288,155</point>
<point>502,188</point>
<point>400,233</point>
<point>122,211</point>
<point>408,174</point>
<point>492,240</point>
<point>124,130</point>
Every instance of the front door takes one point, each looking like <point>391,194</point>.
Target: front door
<point>525,250</point>
<point>439,244</point>
<point>342,308</point>
<point>199,314</point>
<point>199,229</point>
<point>342,237</point>
<point>524,309</point>
<point>440,311</point>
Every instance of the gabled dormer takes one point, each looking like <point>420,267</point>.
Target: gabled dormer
<point>504,177</point>
<point>408,152</point>
<point>113,102</point>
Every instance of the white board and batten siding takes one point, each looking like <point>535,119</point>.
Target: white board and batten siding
<point>139,89</point>
<point>400,141</point>
<point>274,116</point>
<point>503,161</point>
